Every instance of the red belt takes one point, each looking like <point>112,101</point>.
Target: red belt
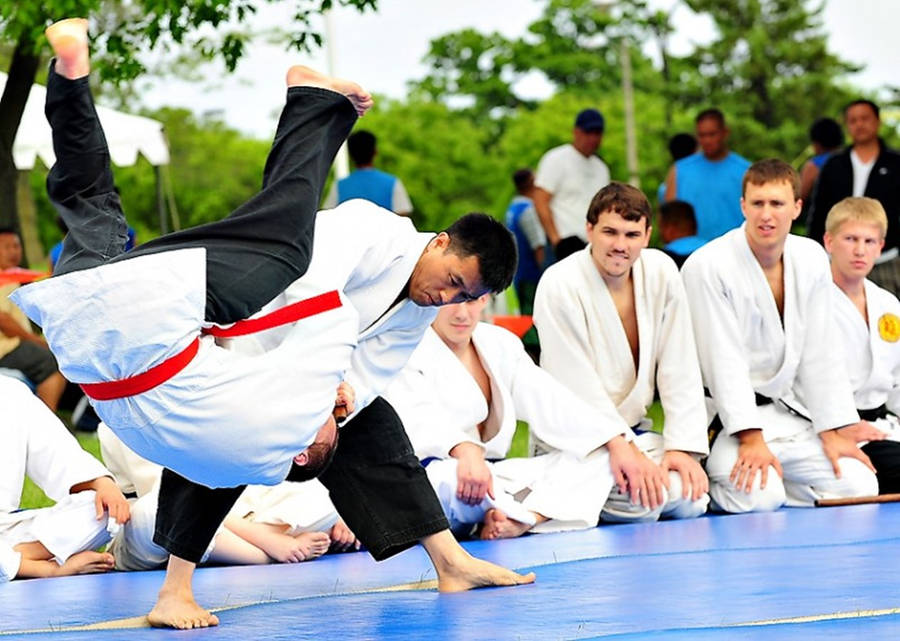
<point>140,383</point>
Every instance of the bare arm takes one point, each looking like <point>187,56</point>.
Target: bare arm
<point>11,327</point>
<point>671,184</point>
<point>541,200</point>
<point>808,175</point>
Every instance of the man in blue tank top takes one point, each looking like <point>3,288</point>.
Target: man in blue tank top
<point>711,179</point>
<point>366,182</point>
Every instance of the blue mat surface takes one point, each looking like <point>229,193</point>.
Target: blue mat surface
<point>798,571</point>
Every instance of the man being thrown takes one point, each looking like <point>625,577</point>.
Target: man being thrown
<point>868,327</point>
<point>460,396</point>
<point>762,305</point>
<point>615,328</point>
<point>184,402</point>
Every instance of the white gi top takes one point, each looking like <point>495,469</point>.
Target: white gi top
<point>34,443</point>
<point>225,419</point>
<point>441,404</point>
<point>584,345</point>
<point>871,354</point>
<point>743,346</point>
<point>573,180</point>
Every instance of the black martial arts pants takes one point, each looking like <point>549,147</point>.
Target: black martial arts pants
<point>885,456</point>
<point>252,255</point>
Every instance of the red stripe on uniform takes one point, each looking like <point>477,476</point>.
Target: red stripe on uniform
<point>283,316</point>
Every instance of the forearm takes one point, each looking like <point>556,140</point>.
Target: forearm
<point>545,215</point>
<point>10,327</point>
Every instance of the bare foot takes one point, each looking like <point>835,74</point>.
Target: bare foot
<point>300,76</point>
<point>499,526</point>
<point>469,573</point>
<point>87,562</point>
<point>175,609</point>
<point>315,543</point>
<point>69,41</point>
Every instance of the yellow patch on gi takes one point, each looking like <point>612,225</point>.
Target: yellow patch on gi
<point>889,328</point>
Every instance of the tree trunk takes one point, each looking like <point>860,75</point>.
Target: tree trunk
<point>22,71</point>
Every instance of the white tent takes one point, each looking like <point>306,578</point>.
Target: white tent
<point>127,135</point>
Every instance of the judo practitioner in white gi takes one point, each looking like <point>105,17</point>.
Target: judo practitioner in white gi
<point>615,328</point>
<point>182,401</point>
<point>62,539</point>
<point>459,398</point>
<point>762,303</point>
<point>868,331</point>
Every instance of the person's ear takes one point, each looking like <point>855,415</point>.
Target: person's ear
<point>301,459</point>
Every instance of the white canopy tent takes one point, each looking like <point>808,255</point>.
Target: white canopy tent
<point>127,135</point>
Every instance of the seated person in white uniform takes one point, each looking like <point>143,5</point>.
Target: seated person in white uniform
<point>763,308</point>
<point>868,325</point>
<point>459,398</point>
<point>615,327</point>
<point>62,539</point>
<point>286,523</point>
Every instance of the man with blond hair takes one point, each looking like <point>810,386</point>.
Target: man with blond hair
<point>868,325</point>
<point>762,306</point>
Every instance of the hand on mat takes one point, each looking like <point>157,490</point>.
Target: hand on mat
<point>837,445</point>
<point>694,481</point>
<point>110,499</point>
<point>343,538</point>
<point>862,432</point>
<point>345,401</point>
<point>637,475</point>
<point>754,456</point>
<point>473,476</point>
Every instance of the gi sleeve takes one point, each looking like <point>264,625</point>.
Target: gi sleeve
<point>9,563</point>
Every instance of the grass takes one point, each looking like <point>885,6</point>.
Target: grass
<point>33,497</point>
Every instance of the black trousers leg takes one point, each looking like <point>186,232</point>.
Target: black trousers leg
<point>80,183</point>
<point>189,514</point>
<point>885,456</point>
<point>266,244</point>
<point>378,486</point>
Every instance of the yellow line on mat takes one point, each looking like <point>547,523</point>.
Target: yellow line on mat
<point>834,616</point>
<point>134,623</point>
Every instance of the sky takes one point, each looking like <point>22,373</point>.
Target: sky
<point>383,51</point>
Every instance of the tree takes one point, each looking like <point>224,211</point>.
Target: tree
<point>127,29</point>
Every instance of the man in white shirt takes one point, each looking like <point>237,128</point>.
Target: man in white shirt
<point>567,178</point>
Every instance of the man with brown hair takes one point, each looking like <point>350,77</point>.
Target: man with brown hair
<point>763,318</point>
<point>588,310</point>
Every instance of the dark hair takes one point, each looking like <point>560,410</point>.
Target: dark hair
<point>522,178</point>
<point>863,101</point>
<point>678,213</point>
<point>361,147</point>
<point>320,457</point>
<point>771,170</point>
<point>9,230</point>
<point>627,201</point>
<point>682,145</point>
<point>827,132</point>
<point>491,243</point>
<point>711,114</point>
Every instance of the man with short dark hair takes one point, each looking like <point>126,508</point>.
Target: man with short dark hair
<point>379,187</point>
<point>567,178</point>
<point>868,167</point>
<point>588,310</point>
<point>678,230</point>
<point>710,180</point>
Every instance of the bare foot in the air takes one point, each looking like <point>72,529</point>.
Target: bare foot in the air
<point>87,562</point>
<point>69,41</point>
<point>300,76</point>
<point>499,526</point>
<point>175,609</point>
<point>469,573</point>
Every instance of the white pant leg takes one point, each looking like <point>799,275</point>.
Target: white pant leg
<point>676,506</point>
<point>724,496</point>
<point>70,526</point>
<point>304,507</point>
<point>808,474</point>
<point>569,491</point>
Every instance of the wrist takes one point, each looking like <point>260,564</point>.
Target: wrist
<point>750,437</point>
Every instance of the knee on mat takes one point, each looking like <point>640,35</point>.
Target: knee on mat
<point>679,507</point>
<point>725,497</point>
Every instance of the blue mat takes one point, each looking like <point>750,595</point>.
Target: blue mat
<point>789,574</point>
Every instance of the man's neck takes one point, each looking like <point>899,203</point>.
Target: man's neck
<point>720,155</point>
<point>617,284</point>
<point>867,151</point>
<point>769,258</point>
<point>852,286</point>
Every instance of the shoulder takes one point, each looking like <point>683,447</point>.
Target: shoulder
<point>494,336</point>
<point>657,263</point>
<point>806,248</point>
<point>738,160</point>
<point>688,161</point>
<point>885,300</point>
<point>561,273</point>
<point>557,154</point>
